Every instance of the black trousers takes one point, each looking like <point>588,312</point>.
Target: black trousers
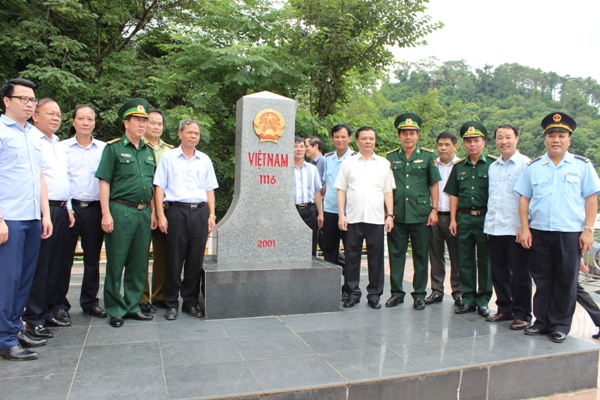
<point>510,276</point>
<point>309,216</point>
<point>331,238</point>
<point>554,266</point>
<point>186,241</point>
<point>373,235</point>
<point>589,304</point>
<point>88,228</point>
<point>44,291</point>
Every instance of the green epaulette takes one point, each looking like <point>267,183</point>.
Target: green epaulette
<point>582,158</point>
<point>534,160</point>
<point>112,141</point>
<point>459,161</point>
<point>427,150</point>
<point>393,151</point>
<point>492,157</point>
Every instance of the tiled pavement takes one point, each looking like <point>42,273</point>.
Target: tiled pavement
<point>191,358</point>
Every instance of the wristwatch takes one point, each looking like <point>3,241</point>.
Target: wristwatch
<point>391,215</point>
<point>590,228</point>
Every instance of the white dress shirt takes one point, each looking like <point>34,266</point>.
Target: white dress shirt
<point>55,168</point>
<point>82,165</point>
<point>445,169</point>
<point>307,181</point>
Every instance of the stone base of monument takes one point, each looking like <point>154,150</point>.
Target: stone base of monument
<point>242,290</point>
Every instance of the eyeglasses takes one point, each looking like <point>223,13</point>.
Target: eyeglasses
<point>53,114</point>
<point>25,99</point>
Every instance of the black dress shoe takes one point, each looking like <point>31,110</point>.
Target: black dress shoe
<point>374,304</point>
<point>457,300</point>
<point>160,304</point>
<point>597,335</point>
<point>434,298</point>
<point>533,331</point>
<point>39,331</point>
<point>171,314</point>
<point>147,308</point>
<point>26,341</point>
<point>18,353</point>
<point>194,312</point>
<point>419,304</point>
<point>62,315</point>
<point>57,322</point>
<point>351,302</point>
<point>116,322</point>
<point>97,312</point>
<point>140,316</point>
<point>484,311</point>
<point>344,296</point>
<point>558,337</point>
<point>465,308</point>
<point>394,301</point>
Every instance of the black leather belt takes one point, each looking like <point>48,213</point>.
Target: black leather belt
<point>472,212</point>
<point>168,204</point>
<point>130,204</point>
<point>443,212</point>
<point>55,203</point>
<point>85,204</point>
<point>303,205</point>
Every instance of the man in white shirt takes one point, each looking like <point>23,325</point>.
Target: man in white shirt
<point>447,143</point>
<point>43,296</point>
<point>508,259</point>
<point>364,190</point>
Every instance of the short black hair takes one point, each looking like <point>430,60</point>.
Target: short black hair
<point>365,128</point>
<point>507,126</point>
<point>447,135</point>
<point>8,88</point>
<point>154,110</point>
<point>79,107</point>
<point>298,139</point>
<point>315,140</point>
<point>339,127</point>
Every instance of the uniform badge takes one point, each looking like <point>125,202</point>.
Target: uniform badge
<point>269,125</point>
<point>557,117</point>
<point>396,162</point>
<point>140,108</point>
<point>125,155</point>
<point>471,129</point>
<point>149,158</point>
<point>462,173</point>
<point>418,161</point>
<point>408,121</point>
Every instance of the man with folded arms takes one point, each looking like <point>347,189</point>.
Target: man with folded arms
<point>185,182</point>
<point>126,171</point>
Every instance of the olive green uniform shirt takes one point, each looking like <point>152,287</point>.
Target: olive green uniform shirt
<point>129,171</point>
<point>470,182</point>
<point>414,176</point>
<point>162,148</point>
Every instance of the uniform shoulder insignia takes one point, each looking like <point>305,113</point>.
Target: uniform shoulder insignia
<point>459,161</point>
<point>330,153</point>
<point>150,145</point>
<point>427,150</point>
<point>115,140</point>
<point>492,157</point>
<point>354,153</point>
<point>170,146</point>
<point>534,160</point>
<point>582,158</point>
<point>393,151</point>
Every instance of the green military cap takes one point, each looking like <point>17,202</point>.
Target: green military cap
<point>408,121</point>
<point>558,121</point>
<point>473,129</point>
<point>134,107</point>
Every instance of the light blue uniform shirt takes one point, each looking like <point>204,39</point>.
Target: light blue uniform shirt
<point>502,217</point>
<point>307,182</point>
<point>558,193</point>
<point>330,173</point>
<point>184,180</point>
<point>20,171</point>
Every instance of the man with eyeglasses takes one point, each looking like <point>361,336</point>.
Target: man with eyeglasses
<point>23,203</point>
<point>44,293</point>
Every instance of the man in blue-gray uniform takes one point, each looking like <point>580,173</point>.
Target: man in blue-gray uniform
<point>23,202</point>
<point>557,209</point>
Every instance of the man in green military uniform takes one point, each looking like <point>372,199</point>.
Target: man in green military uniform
<point>417,180</point>
<point>126,172</point>
<point>468,189</point>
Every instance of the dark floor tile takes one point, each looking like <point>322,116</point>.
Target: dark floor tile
<point>369,364</point>
<point>313,322</point>
<point>136,355</point>
<point>253,326</point>
<point>435,356</point>
<point>269,346</point>
<point>57,360</point>
<point>188,330</point>
<point>80,318</point>
<point>72,336</point>
<point>139,333</point>
<point>143,384</point>
<point>211,380</point>
<point>48,387</point>
<point>294,373</point>
<point>199,351</point>
<point>338,340</point>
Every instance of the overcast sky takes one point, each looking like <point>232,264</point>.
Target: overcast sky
<point>560,36</point>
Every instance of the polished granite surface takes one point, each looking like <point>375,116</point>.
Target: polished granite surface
<point>191,358</point>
